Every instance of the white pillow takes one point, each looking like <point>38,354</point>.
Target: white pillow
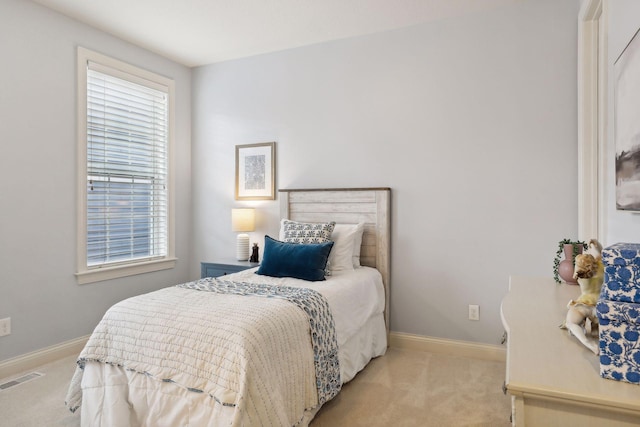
<point>357,244</point>
<point>345,254</point>
<point>281,234</point>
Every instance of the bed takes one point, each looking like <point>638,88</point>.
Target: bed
<point>266,346</point>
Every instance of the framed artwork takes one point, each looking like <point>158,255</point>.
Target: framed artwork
<point>627,126</point>
<point>256,171</point>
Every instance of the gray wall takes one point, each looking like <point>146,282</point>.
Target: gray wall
<point>38,198</point>
<point>624,21</point>
<point>471,121</point>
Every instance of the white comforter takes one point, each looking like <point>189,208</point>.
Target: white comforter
<point>353,295</point>
<point>268,379</point>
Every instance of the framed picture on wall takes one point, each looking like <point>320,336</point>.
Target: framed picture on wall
<point>256,171</point>
<point>627,126</point>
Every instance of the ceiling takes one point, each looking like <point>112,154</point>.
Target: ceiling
<point>199,32</point>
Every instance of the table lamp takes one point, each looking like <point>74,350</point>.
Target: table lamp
<point>242,221</point>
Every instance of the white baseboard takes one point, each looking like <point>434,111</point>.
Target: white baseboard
<point>473,350</point>
<point>26,362</point>
<point>456,348</point>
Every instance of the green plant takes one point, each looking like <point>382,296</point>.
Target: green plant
<point>576,250</point>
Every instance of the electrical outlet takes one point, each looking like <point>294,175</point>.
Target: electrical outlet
<point>5,326</point>
<point>474,312</point>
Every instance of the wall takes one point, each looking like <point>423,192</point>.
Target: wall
<point>471,121</point>
<point>38,198</point>
<point>624,21</point>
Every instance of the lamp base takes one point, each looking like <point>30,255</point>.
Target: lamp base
<point>242,247</point>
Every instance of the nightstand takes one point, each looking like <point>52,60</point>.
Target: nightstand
<point>215,269</point>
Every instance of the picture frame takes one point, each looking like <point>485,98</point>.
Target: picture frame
<point>627,126</point>
<point>256,171</point>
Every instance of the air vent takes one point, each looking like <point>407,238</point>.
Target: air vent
<point>23,379</point>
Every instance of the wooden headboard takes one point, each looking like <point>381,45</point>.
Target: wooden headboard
<point>349,206</point>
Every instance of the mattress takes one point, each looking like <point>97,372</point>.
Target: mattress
<point>115,396</point>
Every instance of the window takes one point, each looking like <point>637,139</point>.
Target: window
<point>125,224</point>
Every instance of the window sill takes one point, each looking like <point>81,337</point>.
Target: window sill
<point>108,273</point>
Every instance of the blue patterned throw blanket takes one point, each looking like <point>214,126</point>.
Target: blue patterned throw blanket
<point>322,328</point>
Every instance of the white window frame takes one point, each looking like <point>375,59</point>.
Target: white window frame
<point>86,274</point>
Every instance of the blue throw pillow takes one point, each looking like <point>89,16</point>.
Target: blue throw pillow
<point>303,261</point>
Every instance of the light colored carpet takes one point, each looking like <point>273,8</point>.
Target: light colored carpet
<point>40,402</point>
<point>404,388</point>
<point>407,388</point>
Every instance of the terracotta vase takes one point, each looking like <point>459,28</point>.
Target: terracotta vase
<point>566,266</point>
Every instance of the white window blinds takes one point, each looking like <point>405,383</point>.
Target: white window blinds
<point>127,149</point>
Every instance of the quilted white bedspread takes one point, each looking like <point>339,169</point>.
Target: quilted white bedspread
<point>273,391</point>
<point>249,353</point>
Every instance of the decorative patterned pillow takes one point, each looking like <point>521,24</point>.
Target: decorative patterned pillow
<point>306,232</point>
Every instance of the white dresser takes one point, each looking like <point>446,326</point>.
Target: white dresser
<point>553,379</point>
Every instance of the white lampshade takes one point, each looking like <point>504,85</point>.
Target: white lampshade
<point>243,220</point>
